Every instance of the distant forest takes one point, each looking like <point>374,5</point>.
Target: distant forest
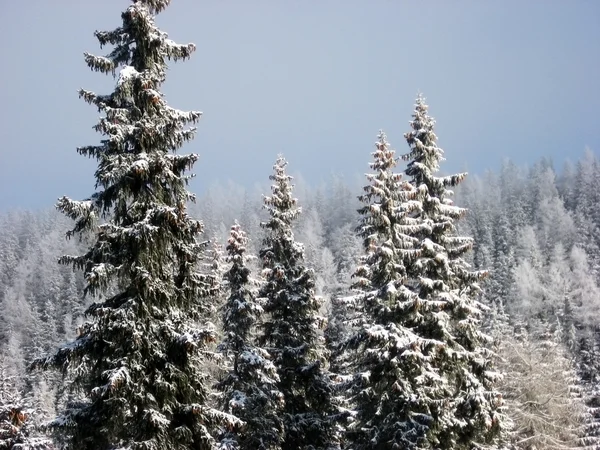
<point>536,231</point>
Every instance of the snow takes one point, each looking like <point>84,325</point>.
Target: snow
<point>141,165</point>
<point>126,74</point>
<point>391,288</point>
<point>238,400</point>
<point>251,358</point>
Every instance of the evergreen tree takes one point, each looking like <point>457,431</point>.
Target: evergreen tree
<point>250,221</point>
<point>483,215</point>
<point>553,222</point>
<point>566,185</point>
<point>589,356</point>
<point>504,257</point>
<point>249,389</point>
<point>310,231</point>
<point>587,217</point>
<point>393,404</point>
<point>138,362</point>
<point>16,424</point>
<point>213,267</point>
<point>559,294</point>
<point>527,295</point>
<point>449,313</point>
<point>336,213</point>
<point>347,249</point>
<point>291,334</point>
<point>513,196</point>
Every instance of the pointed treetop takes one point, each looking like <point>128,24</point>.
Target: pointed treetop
<point>281,204</point>
<point>236,244</point>
<point>241,310</point>
<point>155,6</point>
<point>385,225</point>
<point>145,385</point>
<point>422,139</point>
<point>384,154</point>
<point>139,43</point>
<point>425,156</point>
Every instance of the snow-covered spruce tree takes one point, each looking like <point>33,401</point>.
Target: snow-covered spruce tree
<point>449,312</point>
<point>291,333</point>
<point>249,390</point>
<point>138,362</point>
<point>391,387</point>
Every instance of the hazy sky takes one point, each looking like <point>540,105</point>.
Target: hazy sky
<point>312,79</point>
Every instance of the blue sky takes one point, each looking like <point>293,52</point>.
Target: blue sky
<point>314,80</point>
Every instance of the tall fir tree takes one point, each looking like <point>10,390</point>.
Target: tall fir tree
<point>138,362</point>
<point>292,332</point>
<point>393,404</point>
<point>450,313</point>
<point>249,390</point>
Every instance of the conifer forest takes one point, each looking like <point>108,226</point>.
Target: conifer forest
<point>413,310</point>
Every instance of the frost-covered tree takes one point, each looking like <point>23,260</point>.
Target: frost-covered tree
<point>528,295</point>
<point>215,261</point>
<point>559,292</point>
<point>17,431</point>
<point>552,221</point>
<point>337,213</point>
<point>249,389</point>
<point>480,223</point>
<point>393,404</point>
<point>585,291</point>
<point>346,248</point>
<point>587,216</point>
<point>566,183</point>
<point>137,364</point>
<point>540,388</point>
<point>503,255</point>
<point>291,334</point>
<point>449,313</point>
<point>316,253</point>
<point>514,196</point>
<point>582,295</point>
<point>214,268</point>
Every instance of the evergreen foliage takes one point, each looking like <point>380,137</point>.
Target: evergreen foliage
<point>449,313</point>
<point>138,362</point>
<point>393,411</point>
<point>291,334</point>
<point>249,390</point>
